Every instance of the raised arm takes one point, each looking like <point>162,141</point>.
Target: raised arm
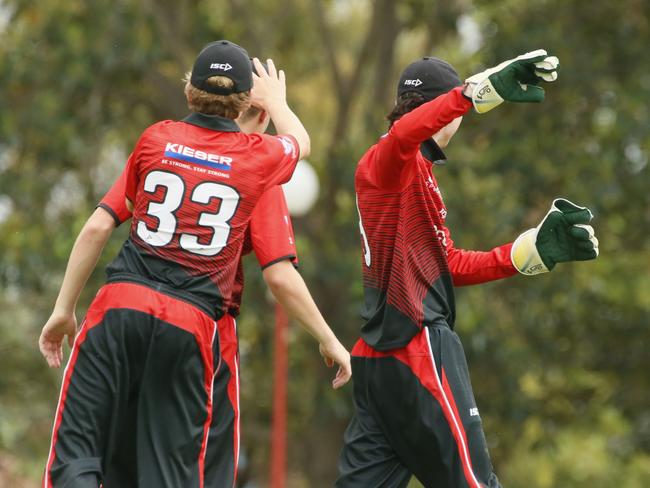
<point>400,145</point>
<point>516,80</point>
<point>270,94</point>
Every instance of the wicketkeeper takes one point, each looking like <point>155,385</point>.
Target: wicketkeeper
<point>415,410</point>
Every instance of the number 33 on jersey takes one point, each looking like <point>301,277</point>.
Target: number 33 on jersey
<point>193,185</point>
<point>216,222</point>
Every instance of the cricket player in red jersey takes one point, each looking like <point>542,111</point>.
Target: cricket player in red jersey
<point>270,236</point>
<point>415,410</point>
<point>142,364</point>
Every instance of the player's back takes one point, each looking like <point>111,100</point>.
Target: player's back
<point>405,275</point>
<point>194,184</point>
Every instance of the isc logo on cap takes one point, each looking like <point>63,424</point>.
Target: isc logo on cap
<point>221,66</point>
<point>415,82</point>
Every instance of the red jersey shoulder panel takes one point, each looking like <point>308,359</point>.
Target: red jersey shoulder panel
<point>282,152</point>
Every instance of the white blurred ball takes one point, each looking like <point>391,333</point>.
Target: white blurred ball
<point>301,191</point>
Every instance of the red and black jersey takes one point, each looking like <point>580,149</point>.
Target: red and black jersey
<point>269,234</point>
<point>409,261</point>
<point>194,185</point>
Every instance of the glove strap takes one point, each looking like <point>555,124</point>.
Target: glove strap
<point>524,255</point>
<point>484,96</point>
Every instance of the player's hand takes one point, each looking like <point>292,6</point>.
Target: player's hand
<point>515,80</point>
<point>56,328</point>
<point>562,236</point>
<point>269,87</point>
<point>334,352</point>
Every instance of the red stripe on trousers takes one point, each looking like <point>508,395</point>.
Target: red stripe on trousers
<point>417,355</point>
<point>168,309</point>
<point>229,354</point>
<point>454,408</point>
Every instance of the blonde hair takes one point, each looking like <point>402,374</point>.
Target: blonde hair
<point>229,106</point>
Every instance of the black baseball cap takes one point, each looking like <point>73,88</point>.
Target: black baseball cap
<point>429,76</point>
<point>222,58</point>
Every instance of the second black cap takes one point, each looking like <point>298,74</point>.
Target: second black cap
<point>429,76</point>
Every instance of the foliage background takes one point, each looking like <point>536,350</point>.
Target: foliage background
<point>559,362</point>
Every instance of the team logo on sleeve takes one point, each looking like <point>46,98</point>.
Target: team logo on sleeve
<point>196,156</point>
<point>288,145</point>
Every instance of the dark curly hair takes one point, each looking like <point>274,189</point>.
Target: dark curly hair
<point>405,103</point>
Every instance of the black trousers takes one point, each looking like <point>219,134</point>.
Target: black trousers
<point>135,404</point>
<point>415,415</point>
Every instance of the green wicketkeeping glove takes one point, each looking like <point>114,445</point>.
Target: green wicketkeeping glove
<point>562,236</point>
<point>514,80</point>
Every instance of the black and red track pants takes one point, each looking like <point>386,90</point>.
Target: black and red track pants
<point>415,416</point>
<point>136,400</point>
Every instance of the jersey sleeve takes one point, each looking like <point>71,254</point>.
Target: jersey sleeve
<point>114,200</point>
<point>131,171</point>
<point>402,142</point>
<point>281,156</point>
<point>474,267</point>
<point>271,231</point>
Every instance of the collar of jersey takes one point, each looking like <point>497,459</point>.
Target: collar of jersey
<point>213,122</point>
<point>432,152</point>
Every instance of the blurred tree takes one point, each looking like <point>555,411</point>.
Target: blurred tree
<point>558,361</point>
